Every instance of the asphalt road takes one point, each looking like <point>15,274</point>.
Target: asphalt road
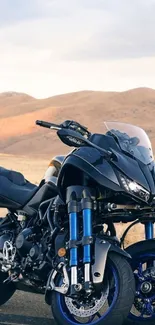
<point>26,309</point>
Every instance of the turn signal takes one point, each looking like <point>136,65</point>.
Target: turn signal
<point>61,252</point>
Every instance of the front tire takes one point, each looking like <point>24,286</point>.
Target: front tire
<point>143,257</point>
<point>118,303</point>
<point>6,290</point>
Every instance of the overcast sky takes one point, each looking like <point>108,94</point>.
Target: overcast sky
<point>50,47</point>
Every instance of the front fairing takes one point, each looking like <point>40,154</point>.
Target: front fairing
<point>93,164</point>
<point>105,173</point>
<point>150,176</point>
<point>94,158</point>
<point>133,170</point>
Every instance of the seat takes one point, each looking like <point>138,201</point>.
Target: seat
<point>15,190</point>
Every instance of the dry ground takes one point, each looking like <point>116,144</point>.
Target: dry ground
<point>18,112</point>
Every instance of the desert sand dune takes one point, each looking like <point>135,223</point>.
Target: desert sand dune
<point>18,112</point>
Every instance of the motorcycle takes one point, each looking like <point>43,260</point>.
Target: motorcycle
<point>65,244</point>
<point>143,252</point>
<point>143,266</point>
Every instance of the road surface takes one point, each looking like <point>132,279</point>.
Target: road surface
<point>26,309</point>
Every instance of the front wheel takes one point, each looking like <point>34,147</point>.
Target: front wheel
<point>109,306</point>
<point>143,265</point>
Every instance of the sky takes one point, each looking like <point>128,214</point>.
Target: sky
<point>49,47</point>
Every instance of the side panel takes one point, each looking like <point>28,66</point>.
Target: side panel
<point>47,191</point>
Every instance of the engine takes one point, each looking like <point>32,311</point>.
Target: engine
<point>27,255</point>
<point>7,251</point>
<point>33,247</point>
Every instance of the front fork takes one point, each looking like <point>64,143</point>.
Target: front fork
<point>73,208</point>
<point>149,230</point>
<point>73,250</point>
<point>149,234</point>
<point>87,234</point>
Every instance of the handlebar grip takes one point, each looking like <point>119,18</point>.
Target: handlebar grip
<point>44,124</point>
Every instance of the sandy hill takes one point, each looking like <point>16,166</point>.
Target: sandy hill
<point>18,112</point>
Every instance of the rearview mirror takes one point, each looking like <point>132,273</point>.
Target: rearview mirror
<point>72,138</point>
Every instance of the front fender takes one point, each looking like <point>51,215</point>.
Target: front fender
<point>118,250</point>
<point>102,249</point>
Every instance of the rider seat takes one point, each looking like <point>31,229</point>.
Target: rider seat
<point>15,190</point>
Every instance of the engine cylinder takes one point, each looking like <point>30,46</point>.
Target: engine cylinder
<point>23,242</point>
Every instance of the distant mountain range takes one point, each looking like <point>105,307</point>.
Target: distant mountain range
<point>18,112</point>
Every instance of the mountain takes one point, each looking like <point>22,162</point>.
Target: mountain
<point>20,136</point>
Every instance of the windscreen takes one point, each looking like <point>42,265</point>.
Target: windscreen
<point>132,140</point>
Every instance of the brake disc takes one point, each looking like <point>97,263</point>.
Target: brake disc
<point>90,311</point>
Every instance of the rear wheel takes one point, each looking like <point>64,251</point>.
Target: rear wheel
<point>110,306</point>
<point>6,289</point>
<point>143,265</point>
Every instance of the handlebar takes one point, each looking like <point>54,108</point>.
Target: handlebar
<point>48,125</point>
<point>74,130</point>
<point>65,125</point>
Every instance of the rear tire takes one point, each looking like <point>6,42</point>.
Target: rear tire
<point>6,290</point>
<point>139,252</point>
<point>117,311</point>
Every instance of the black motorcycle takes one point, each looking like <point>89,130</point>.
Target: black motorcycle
<point>65,244</point>
<point>143,266</point>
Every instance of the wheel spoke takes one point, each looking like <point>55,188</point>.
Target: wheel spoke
<point>149,308</point>
<point>152,298</point>
<point>91,318</point>
<point>137,277</point>
<point>98,314</point>
<point>140,269</point>
<point>142,313</point>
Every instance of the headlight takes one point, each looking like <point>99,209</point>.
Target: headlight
<point>134,188</point>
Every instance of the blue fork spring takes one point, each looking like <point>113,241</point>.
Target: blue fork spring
<point>87,231</point>
<point>73,236</point>
<point>149,230</point>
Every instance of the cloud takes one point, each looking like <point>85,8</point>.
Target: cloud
<point>81,29</point>
<point>53,46</point>
<point>12,12</point>
<point>126,30</point>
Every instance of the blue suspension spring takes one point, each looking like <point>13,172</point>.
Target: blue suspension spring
<point>73,236</point>
<point>87,232</point>
<point>149,230</point>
